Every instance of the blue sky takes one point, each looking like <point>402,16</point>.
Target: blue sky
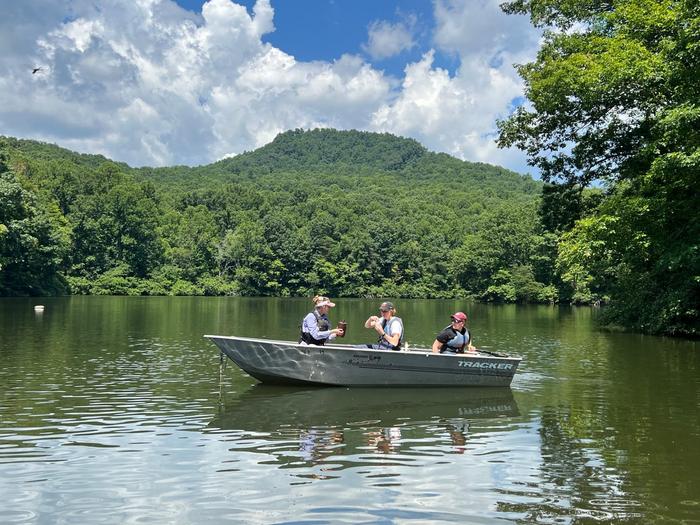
<point>163,82</point>
<point>314,30</point>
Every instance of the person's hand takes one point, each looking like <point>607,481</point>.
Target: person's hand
<point>371,321</point>
<point>338,332</point>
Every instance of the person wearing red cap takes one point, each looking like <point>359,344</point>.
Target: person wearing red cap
<point>455,338</point>
<point>315,328</point>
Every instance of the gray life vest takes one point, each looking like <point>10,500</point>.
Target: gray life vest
<point>457,343</point>
<point>383,343</point>
<point>323,325</point>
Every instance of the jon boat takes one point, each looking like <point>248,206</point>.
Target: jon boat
<point>286,362</point>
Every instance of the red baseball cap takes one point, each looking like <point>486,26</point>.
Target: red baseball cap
<point>459,316</point>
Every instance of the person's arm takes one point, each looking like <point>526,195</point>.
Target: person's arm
<point>392,339</point>
<point>335,332</point>
<point>470,348</point>
<point>440,340</point>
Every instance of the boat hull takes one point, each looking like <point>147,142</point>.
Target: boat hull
<point>283,362</point>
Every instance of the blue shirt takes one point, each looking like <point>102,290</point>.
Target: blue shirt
<point>310,326</point>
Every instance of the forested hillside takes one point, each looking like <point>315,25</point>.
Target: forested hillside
<point>343,213</point>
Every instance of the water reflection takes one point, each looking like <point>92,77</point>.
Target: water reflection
<point>108,408</point>
<point>353,426</point>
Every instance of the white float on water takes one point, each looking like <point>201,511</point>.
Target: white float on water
<point>39,308</point>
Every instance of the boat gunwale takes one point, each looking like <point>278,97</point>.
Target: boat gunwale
<point>425,352</point>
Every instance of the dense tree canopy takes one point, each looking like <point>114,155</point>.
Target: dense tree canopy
<point>33,240</point>
<point>615,98</point>
<point>343,213</point>
<point>340,213</point>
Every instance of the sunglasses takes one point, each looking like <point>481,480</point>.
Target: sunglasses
<point>457,322</point>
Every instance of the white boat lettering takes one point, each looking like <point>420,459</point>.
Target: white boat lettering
<point>495,366</point>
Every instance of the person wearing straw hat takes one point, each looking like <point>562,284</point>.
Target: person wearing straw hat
<point>455,338</point>
<point>315,328</point>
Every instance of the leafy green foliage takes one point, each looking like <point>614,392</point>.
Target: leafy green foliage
<point>614,95</point>
<point>33,241</point>
<point>340,213</point>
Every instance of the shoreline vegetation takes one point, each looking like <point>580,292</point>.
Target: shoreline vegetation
<point>613,100</point>
<point>344,213</point>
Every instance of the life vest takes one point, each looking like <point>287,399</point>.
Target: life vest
<point>323,325</point>
<point>383,343</point>
<point>457,343</point>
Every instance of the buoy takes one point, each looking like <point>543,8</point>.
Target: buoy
<point>39,308</point>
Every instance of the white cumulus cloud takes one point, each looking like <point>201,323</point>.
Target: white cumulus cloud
<point>387,40</point>
<point>149,83</point>
<point>457,113</point>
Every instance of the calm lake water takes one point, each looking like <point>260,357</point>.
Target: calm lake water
<point>111,411</point>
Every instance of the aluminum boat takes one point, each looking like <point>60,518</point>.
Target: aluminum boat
<point>286,362</point>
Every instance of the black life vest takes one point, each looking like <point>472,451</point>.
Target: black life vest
<point>457,343</point>
<point>383,343</point>
<point>323,325</point>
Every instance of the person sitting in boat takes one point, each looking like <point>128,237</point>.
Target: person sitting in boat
<point>315,328</point>
<point>455,338</point>
<point>388,326</point>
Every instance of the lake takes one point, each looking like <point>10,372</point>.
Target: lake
<point>112,411</point>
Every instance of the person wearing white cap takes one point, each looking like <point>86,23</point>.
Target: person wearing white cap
<point>315,328</point>
<point>455,338</point>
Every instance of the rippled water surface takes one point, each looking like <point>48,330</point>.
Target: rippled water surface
<point>112,411</point>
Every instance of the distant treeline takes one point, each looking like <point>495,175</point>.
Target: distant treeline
<point>347,213</point>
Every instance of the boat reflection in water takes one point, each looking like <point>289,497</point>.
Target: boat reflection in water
<point>350,427</point>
